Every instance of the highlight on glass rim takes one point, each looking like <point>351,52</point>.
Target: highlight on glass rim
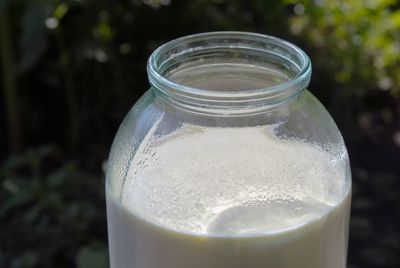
<point>146,134</point>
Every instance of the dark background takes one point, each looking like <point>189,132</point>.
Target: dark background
<point>70,71</point>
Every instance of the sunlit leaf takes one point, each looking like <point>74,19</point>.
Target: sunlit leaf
<point>395,18</point>
<point>105,31</point>
<point>60,11</point>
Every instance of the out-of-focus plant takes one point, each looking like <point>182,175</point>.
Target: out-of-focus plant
<point>360,38</point>
<point>9,78</point>
<point>49,213</point>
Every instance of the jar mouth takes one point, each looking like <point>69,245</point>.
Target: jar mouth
<point>229,67</point>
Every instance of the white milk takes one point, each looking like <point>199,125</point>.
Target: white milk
<point>230,198</point>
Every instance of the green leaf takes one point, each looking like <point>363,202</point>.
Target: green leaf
<point>60,11</point>
<point>15,201</point>
<point>383,3</point>
<point>395,18</point>
<point>104,31</point>
<point>59,177</point>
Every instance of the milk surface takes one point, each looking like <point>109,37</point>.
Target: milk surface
<point>230,198</point>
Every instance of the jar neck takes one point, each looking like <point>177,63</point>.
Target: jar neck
<point>228,73</point>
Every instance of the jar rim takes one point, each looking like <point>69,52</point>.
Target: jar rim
<point>180,47</point>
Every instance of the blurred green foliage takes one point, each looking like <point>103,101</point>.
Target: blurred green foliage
<point>361,40</point>
<point>70,70</point>
<point>49,213</point>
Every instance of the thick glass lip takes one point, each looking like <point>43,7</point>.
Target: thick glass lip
<point>228,39</point>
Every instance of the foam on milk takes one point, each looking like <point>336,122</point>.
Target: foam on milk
<point>231,182</point>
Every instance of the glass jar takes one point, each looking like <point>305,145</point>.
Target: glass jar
<point>228,161</point>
